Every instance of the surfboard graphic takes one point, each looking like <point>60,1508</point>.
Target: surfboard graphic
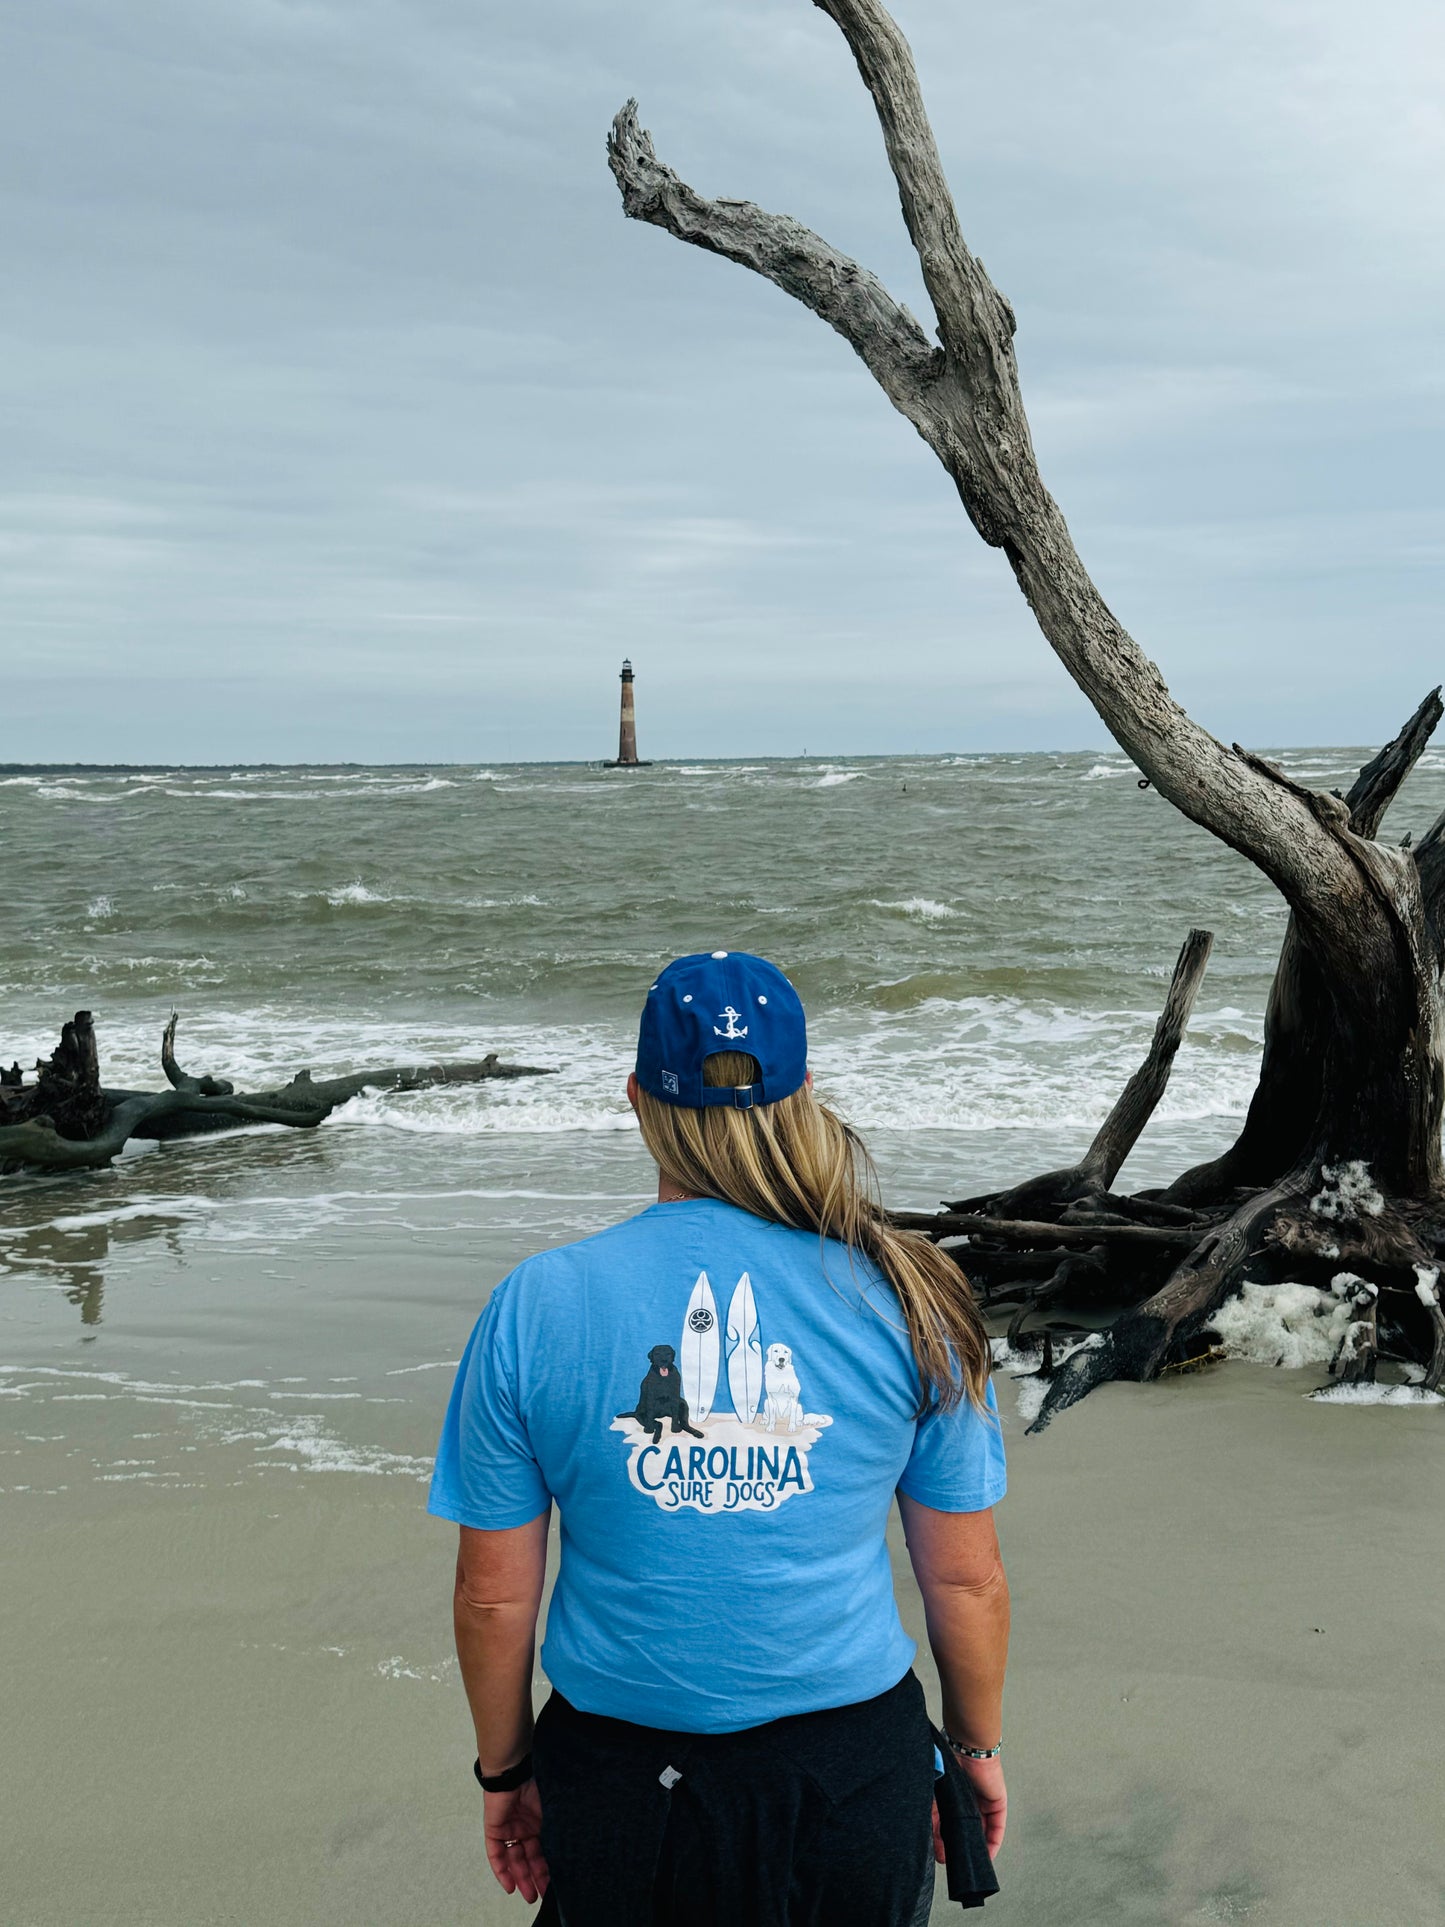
<point>700,1351</point>
<point>745,1353</point>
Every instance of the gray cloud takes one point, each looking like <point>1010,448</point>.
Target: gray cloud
<point>347,418</point>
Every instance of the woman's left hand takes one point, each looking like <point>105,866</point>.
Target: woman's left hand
<point>512,1825</point>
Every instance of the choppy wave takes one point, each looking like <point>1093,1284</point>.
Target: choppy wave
<point>970,1063</point>
<point>358,893</point>
<point>927,908</point>
<point>986,952</point>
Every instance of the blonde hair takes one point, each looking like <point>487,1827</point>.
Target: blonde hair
<point>796,1162</point>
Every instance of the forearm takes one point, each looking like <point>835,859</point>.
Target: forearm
<point>968,1628</point>
<point>495,1645</point>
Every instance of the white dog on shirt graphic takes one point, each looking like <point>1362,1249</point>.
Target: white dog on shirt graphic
<point>783,1404</point>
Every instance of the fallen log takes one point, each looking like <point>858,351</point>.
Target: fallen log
<point>45,1123</point>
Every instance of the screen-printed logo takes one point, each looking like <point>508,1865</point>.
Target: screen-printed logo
<point>750,1458</point>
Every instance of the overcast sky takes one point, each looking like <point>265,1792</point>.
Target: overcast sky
<point>347,418</point>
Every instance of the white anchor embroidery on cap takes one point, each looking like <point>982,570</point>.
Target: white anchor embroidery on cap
<point>732,1030</point>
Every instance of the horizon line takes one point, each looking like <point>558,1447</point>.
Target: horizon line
<point>599,763</point>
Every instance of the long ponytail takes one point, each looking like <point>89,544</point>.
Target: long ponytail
<point>796,1162</point>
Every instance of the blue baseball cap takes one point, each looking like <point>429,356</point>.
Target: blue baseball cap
<point>719,1001</point>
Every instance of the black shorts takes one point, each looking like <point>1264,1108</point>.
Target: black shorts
<point>818,1820</point>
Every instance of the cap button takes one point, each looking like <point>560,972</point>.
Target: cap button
<point>719,953</point>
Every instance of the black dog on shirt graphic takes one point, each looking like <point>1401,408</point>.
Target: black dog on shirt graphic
<point>661,1397</point>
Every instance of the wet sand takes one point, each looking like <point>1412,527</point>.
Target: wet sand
<point>232,1704</point>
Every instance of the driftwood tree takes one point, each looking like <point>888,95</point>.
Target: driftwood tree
<point>67,1120</point>
<point>1338,1166</point>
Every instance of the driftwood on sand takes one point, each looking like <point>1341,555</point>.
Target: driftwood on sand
<point>1336,1176</point>
<point>67,1120</point>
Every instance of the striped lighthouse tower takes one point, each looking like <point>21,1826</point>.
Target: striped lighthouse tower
<point>627,733</point>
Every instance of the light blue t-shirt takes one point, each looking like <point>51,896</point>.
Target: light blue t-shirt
<point>722,1409</point>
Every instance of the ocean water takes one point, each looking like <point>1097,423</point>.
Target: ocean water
<point>982,942</point>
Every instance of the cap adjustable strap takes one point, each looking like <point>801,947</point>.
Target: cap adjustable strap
<point>738,1097</point>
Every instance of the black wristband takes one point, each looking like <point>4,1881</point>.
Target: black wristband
<point>507,1782</point>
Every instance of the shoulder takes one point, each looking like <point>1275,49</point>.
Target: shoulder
<point>563,1268</point>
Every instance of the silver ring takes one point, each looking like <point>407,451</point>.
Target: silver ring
<point>511,1843</point>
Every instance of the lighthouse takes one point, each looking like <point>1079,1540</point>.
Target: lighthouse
<point>627,732</point>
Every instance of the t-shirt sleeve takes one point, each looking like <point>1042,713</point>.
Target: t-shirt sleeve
<point>957,1461</point>
<point>486,1472</point>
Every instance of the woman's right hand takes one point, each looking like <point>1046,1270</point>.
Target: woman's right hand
<point>986,1779</point>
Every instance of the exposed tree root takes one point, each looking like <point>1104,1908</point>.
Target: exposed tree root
<point>1137,1345</point>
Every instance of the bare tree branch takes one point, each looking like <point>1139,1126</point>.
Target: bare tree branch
<point>1092,1176</point>
<point>890,342</point>
<point>974,320</point>
<point>1119,1133</point>
<point>1375,788</point>
<point>177,1078</point>
<point>1427,1289</point>
<point>950,1224</point>
<point>971,414</point>
<point>37,1142</point>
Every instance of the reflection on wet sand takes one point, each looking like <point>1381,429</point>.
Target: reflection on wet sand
<point>72,1257</point>
<point>80,1222</point>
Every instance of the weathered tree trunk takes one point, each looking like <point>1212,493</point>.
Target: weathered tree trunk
<point>1353,1071</point>
<point>34,1137</point>
<point>1285,1114</point>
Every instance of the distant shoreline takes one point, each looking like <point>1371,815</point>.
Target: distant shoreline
<point>599,763</point>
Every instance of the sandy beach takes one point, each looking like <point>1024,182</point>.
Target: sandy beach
<point>1223,1704</point>
<point>229,1694</point>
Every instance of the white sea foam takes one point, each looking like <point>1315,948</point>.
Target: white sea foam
<point>1108,769</point>
<point>1022,1366</point>
<point>308,1447</point>
<point>1376,1395</point>
<point>290,1441</point>
<point>1348,1192</point>
<point>837,776</point>
<point>396,1667</point>
<point>1286,1324</point>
